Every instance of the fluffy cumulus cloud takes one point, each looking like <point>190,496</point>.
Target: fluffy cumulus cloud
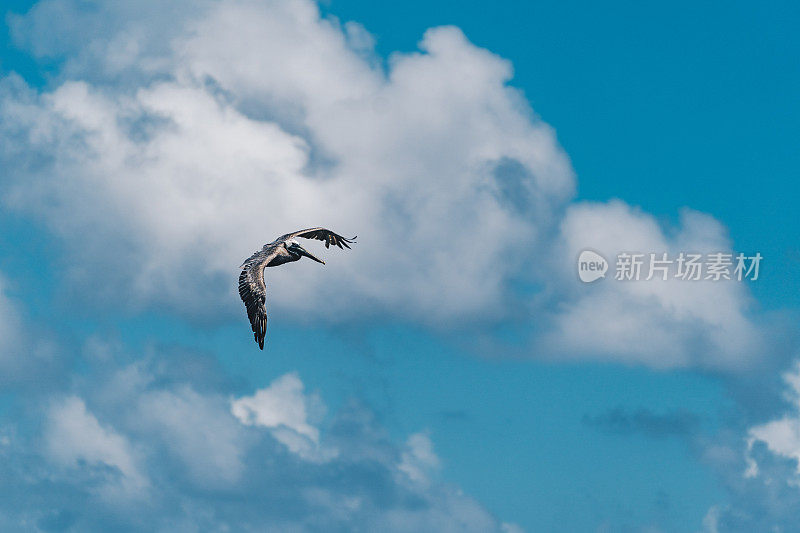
<point>288,412</point>
<point>135,446</point>
<point>670,323</point>
<point>438,165</point>
<point>758,465</point>
<point>176,140</point>
<point>781,436</point>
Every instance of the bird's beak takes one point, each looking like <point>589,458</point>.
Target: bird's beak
<point>308,254</point>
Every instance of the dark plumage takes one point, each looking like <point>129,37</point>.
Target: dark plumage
<point>284,249</point>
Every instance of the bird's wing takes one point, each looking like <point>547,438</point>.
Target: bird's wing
<point>321,234</point>
<point>253,292</point>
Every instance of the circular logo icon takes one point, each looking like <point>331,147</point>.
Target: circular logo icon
<point>591,266</point>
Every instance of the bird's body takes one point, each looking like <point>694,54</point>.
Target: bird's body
<point>284,249</point>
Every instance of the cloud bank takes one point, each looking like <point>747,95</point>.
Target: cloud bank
<point>131,444</point>
<point>195,165</point>
<point>167,151</point>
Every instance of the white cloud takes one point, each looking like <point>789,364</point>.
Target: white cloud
<point>197,430</point>
<point>711,520</point>
<point>210,132</point>
<point>781,436</point>
<point>418,459</point>
<point>153,453</point>
<point>112,39</point>
<point>288,413</point>
<point>661,323</point>
<point>758,463</point>
<point>73,436</point>
<point>438,166</point>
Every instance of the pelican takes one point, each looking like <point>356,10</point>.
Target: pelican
<point>284,249</point>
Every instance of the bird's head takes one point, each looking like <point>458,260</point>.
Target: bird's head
<point>295,249</point>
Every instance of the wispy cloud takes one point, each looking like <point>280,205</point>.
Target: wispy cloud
<point>645,422</point>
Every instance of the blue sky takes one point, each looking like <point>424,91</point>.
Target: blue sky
<point>144,148</point>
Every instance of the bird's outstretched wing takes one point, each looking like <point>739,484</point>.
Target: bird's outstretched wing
<point>321,234</point>
<point>253,292</point>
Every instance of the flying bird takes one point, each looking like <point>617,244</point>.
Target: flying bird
<point>284,249</point>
